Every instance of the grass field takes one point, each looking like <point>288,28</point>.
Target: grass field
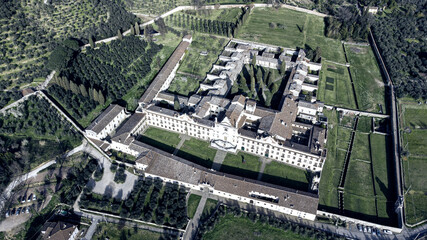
<point>332,169</point>
<point>297,30</point>
<point>197,151</point>
<point>199,65</point>
<point>230,227</point>
<point>184,84</point>
<point>335,86</point>
<point>365,124</point>
<point>210,206</point>
<point>154,7</point>
<point>119,232</point>
<point>241,164</point>
<point>414,165</point>
<point>285,175</point>
<point>359,197</point>
<point>227,15</point>
<point>367,78</point>
<point>159,138</point>
<point>193,202</point>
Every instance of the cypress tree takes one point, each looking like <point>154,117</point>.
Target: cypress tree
<point>253,84</point>
<point>253,60</point>
<point>90,91</point>
<point>101,97</point>
<point>137,29</point>
<point>283,68</point>
<point>132,30</point>
<point>91,42</point>
<point>83,90</point>
<point>95,95</point>
<point>74,88</point>
<point>119,34</point>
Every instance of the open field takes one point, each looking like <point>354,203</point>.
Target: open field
<point>367,78</point>
<point>230,227</point>
<point>159,138</point>
<point>194,62</point>
<point>197,151</point>
<point>184,84</point>
<point>285,175</point>
<point>294,29</point>
<point>227,15</point>
<point>118,232</point>
<point>335,86</point>
<point>359,197</point>
<point>334,163</point>
<point>210,206</point>
<point>193,202</point>
<point>154,7</point>
<point>414,119</point>
<point>241,164</point>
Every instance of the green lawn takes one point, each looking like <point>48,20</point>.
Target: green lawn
<point>241,164</point>
<point>119,232</point>
<point>367,78</point>
<point>210,205</point>
<point>417,142</point>
<point>193,202</point>
<point>184,84</point>
<point>414,165</point>
<point>335,86</point>
<point>161,139</point>
<point>416,182</point>
<point>360,163</point>
<point>199,65</point>
<point>365,124</point>
<point>227,15</point>
<point>416,117</point>
<point>230,227</point>
<point>294,29</point>
<point>337,145</point>
<point>360,207</point>
<point>382,164</point>
<point>285,175</point>
<point>197,151</point>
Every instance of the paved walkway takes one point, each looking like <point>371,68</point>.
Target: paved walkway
<point>193,225</point>
<point>20,179</point>
<point>264,161</point>
<point>183,139</point>
<point>219,158</point>
<point>91,229</point>
<point>107,185</point>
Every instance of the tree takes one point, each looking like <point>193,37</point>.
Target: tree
<point>59,58</point>
<point>83,90</point>
<point>147,33</point>
<point>132,30</point>
<point>162,26</point>
<point>317,54</point>
<point>253,85</point>
<point>253,60</point>
<point>74,88</point>
<point>176,105</point>
<point>119,34</point>
<point>101,97</point>
<point>283,67</point>
<point>137,29</point>
<point>91,42</point>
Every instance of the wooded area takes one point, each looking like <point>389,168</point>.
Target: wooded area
<point>34,135</point>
